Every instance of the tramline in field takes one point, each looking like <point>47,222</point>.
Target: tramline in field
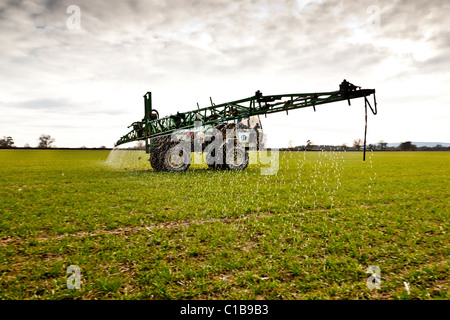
<point>225,132</point>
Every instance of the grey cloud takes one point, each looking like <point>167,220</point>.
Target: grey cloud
<point>49,104</point>
<point>60,105</point>
<point>319,30</point>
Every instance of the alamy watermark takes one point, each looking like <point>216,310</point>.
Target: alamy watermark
<point>73,22</point>
<point>373,22</point>
<point>374,280</point>
<point>74,280</point>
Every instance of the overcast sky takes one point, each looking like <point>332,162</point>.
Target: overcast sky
<point>84,86</point>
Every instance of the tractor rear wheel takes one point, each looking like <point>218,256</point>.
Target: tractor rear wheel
<point>236,159</point>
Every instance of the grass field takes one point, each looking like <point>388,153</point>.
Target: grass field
<point>308,232</point>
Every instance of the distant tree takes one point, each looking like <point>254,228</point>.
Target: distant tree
<point>83,147</point>
<point>7,142</point>
<point>309,145</point>
<point>407,146</point>
<point>344,146</point>
<point>26,145</point>
<point>382,144</point>
<point>102,147</point>
<point>45,141</point>
<point>372,147</point>
<point>357,143</point>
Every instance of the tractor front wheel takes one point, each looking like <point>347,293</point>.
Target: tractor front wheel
<point>177,157</point>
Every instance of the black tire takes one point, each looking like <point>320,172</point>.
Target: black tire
<point>176,157</point>
<point>237,159</point>
<point>154,160</point>
<point>157,153</point>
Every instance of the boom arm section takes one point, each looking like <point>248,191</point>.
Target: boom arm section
<point>258,104</point>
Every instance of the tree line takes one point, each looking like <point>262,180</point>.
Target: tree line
<point>358,144</point>
<point>45,141</point>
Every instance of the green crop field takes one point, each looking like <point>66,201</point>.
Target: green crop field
<point>310,231</point>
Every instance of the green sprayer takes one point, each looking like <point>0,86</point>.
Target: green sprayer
<point>227,131</point>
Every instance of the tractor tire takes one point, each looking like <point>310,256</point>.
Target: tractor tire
<point>175,157</point>
<point>154,160</point>
<point>157,154</point>
<point>237,159</point>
